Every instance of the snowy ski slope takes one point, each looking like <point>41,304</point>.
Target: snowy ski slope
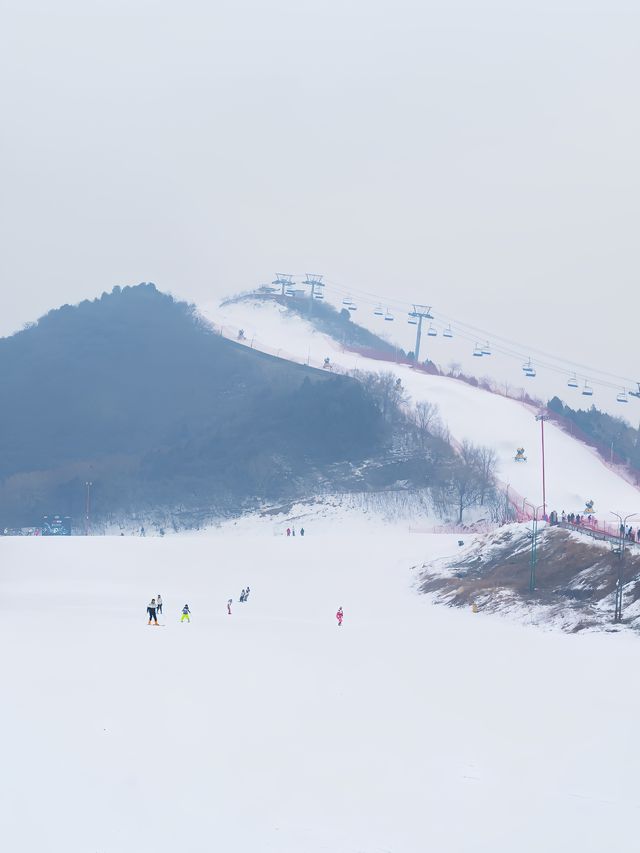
<point>412,728</point>
<point>574,471</point>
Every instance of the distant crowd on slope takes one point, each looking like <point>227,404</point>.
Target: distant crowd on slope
<point>590,521</point>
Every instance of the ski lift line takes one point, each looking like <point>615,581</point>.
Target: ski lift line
<point>558,365</point>
<point>513,354</point>
<point>562,361</point>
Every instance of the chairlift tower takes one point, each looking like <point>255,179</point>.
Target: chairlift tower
<point>283,281</point>
<point>313,281</point>
<point>420,313</point>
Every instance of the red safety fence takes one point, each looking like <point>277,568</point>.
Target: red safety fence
<point>603,530</point>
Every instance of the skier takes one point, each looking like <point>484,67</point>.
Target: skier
<point>339,616</point>
<point>151,610</point>
<point>293,531</point>
<point>159,601</point>
<point>229,606</point>
<point>288,531</point>
<point>186,614</point>
<point>246,593</point>
<point>242,595</point>
<point>302,531</point>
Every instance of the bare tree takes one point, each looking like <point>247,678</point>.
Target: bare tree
<point>426,418</point>
<point>486,463</point>
<point>471,480</point>
<point>465,487</point>
<point>501,510</point>
<point>387,392</point>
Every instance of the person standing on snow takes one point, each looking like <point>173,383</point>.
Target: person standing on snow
<point>302,531</point>
<point>339,616</point>
<point>229,606</point>
<point>288,531</point>
<point>186,614</point>
<point>246,593</point>
<point>151,610</point>
<point>159,603</point>
<point>242,595</point>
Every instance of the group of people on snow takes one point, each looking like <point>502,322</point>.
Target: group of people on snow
<point>570,518</point>
<point>629,533</point>
<point>155,607</point>
<point>588,520</point>
<point>291,531</point>
<point>244,595</point>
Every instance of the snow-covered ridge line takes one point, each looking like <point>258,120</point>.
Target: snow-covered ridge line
<point>575,473</point>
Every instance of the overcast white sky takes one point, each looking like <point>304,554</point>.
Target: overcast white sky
<point>479,156</point>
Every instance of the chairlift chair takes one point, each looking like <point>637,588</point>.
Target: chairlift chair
<point>587,391</point>
<point>486,349</point>
<point>573,382</point>
<point>432,332</point>
<point>477,351</point>
<point>412,320</point>
<point>378,312</point>
<point>352,306</point>
<point>447,333</point>
<point>388,316</point>
<point>346,301</point>
<point>622,397</point>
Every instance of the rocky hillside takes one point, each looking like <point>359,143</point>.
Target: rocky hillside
<point>575,578</point>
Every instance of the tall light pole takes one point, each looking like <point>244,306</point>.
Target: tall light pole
<point>534,546</point>
<point>87,507</point>
<point>542,418</point>
<point>617,615</point>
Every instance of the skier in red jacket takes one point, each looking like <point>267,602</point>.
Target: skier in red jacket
<point>339,616</point>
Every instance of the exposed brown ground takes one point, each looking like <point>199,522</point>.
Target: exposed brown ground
<point>569,574</point>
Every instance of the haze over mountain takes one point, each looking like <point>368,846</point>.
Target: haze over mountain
<point>135,393</point>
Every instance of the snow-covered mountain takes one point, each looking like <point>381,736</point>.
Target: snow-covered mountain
<point>410,728</point>
<point>575,473</point>
<point>455,344</point>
